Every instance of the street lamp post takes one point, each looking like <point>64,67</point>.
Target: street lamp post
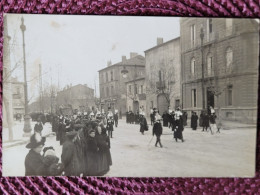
<point>202,68</point>
<point>27,125</point>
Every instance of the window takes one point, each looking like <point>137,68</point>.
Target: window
<point>193,35</point>
<point>130,89</point>
<point>136,87</point>
<point>210,64</point>
<point>210,25</point>
<point>229,26</point>
<point>106,77</point>
<point>230,95</point>
<point>112,90</point>
<point>177,103</point>
<point>193,66</point>
<point>193,98</point>
<point>142,89</point>
<point>151,104</point>
<point>111,75</point>
<point>18,90</point>
<point>107,91</point>
<point>229,57</point>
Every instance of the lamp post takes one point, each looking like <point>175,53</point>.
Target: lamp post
<point>202,68</point>
<point>27,125</point>
<point>124,73</point>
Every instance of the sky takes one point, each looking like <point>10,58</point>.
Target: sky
<point>71,49</point>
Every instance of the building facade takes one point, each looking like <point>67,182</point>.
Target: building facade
<point>18,97</point>
<point>7,87</point>
<point>163,75</point>
<point>220,66</point>
<point>79,97</point>
<point>112,82</point>
<point>136,95</point>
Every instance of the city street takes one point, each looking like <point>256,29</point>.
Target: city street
<point>228,154</point>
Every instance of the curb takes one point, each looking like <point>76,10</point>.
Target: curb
<point>22,142</point>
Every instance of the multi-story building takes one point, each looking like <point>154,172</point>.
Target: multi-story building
<point>220,66</point>
<point>136,94</point>
<point>79,97</point>
<point>112,81</point>
<point>18,97</point>
<point>163,75</point>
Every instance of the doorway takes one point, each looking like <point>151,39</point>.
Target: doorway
<point>210,99</point>
<point>135,106</point>
<point>162,103</point>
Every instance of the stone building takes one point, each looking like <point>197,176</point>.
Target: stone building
<point>227,49</point>
<point>136,94</point>
<point>112,81</point>
<point>18,97</point>
<point>79,97</point>
<point>163,75</point>
<point>7,87</point>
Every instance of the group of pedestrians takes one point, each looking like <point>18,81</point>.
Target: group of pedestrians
<point>207,120</point>
<point>85,141</point>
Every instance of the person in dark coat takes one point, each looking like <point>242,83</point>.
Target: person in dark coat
<point>104,157</point>
<point>43,119</point>
<point>38,127</point>
<point>68,156</point>
<point>172,121</point>
<point>152,117</point>
<point>91,155</point>
<point>143,123</point>
<point>179,130</point>
<point>194,121</point>
<point>205,121</point>
<point>165,119</point>
<point>110,124</point>
<point>34,161</point>
<point>116,119</point>
<point>157,128</point>
<point>52,166</point>
<point>201,118</point>
<point>185,118</point>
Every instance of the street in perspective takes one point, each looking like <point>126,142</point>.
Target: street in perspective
<point>129,96</point>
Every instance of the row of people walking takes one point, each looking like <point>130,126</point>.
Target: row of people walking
<point>85,151</point>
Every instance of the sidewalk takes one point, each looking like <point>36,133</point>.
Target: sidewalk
<point>18,138</point>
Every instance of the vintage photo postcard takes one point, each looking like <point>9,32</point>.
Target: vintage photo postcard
<point>119,96</point>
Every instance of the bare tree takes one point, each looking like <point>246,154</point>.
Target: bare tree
<point>162,82</point>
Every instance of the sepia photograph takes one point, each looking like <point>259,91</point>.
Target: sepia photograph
<point>128,96</point>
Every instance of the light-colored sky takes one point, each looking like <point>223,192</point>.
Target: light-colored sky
<point>71,49</point>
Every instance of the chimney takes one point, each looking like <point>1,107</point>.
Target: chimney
<point>109,63</point>
<point>133,54</point>
<point>123,58</point>
<point>159,41</point>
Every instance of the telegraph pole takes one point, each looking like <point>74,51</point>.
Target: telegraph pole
<point>27,124</point>
<point>202,71</point>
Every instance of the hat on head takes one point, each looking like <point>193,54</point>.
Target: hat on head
<point>49,151</point>
<point>36,140</point>
<point>71,133</point>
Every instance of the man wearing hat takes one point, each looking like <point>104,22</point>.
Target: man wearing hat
<point>34,160</point>
<point>116,118</point>
<point>38,126</point>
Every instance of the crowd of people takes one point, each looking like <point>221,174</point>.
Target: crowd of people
<point>85,140</point>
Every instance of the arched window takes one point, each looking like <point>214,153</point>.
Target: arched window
<point>229,57</point>
<point>193,66</point>
<point>210,64</point>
